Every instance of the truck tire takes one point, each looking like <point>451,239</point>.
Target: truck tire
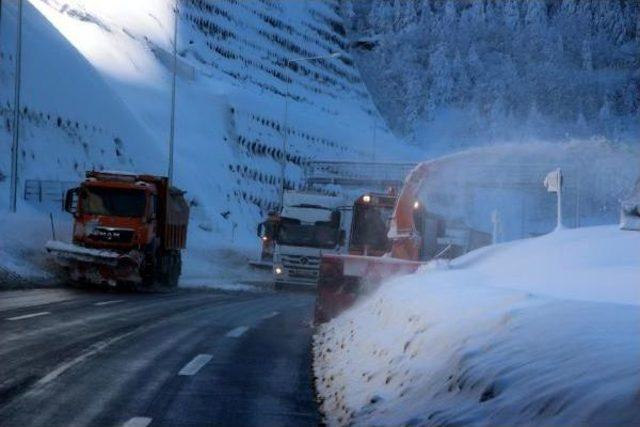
<point>150,273</point>
<point>171,272</point>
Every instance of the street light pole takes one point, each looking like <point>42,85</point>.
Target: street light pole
<point>285,126</point>
<point>172,129</point>
<point>16,115</point>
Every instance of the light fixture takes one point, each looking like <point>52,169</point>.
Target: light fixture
<point>265,238</point>
<point>278,270</point>
<point>416,204</point>
<point>366,198</point>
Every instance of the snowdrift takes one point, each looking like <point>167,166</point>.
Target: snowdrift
<point>542,331</point>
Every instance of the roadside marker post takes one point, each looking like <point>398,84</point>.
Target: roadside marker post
<point>553,183</point>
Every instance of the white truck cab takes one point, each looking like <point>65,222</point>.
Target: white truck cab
<point>310,224</point>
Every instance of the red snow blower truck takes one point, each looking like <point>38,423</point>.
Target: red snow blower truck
<point>382,246</point>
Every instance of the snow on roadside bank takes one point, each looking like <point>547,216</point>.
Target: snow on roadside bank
<point>22,240</point>
<point>543,331</point>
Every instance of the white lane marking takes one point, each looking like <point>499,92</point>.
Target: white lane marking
<point>113,301</point>
<point>138,422</point>
<point>94,349</point>
<point>237,332</point>
<point>270,315</point>
<point>195,365</point>
<point>29,316</point>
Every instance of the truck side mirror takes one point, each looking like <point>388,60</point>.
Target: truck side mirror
<point>153,211</point>
<point>71,201</point>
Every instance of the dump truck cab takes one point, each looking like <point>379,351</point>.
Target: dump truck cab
<point>114,214</point>
<point>127,228</point>
<point>309,224</point>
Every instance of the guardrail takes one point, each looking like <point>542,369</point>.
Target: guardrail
<point>41,191</point>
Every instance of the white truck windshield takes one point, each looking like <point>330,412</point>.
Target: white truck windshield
<point>321,234</point>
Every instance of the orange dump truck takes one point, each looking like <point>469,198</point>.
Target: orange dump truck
<point>128,229</point>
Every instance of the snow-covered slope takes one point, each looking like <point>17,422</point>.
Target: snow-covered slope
<point>465,72</point>
<point>541,331</point>
<point>96,90</point>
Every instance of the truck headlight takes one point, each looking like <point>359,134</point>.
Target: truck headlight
<point>278,269</point>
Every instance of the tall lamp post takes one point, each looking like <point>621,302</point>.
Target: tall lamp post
<point>286,117</point>
<point>16,115</point>
<point>172,128</point>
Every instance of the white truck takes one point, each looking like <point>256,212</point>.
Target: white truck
<point>309,224</point>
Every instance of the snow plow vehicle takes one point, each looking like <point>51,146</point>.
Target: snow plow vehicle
<point>128,229</point>
<point>308,226</point>
<point>410,236</point>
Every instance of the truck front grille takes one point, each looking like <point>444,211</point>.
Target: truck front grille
<point>302,268</point>
<point>303,261</point>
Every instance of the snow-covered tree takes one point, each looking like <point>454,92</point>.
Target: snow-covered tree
<point>512,14</point>
<point>503,56</point>
<point>405,14</point>
<point>587,57</point>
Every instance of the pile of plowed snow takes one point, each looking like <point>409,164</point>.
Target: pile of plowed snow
<point>542,331</point>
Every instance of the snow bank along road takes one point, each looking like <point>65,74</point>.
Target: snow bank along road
<point>535,332</point>
<point>71,357</point>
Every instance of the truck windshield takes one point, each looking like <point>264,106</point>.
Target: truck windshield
<point>321,234</point>
<point>370,226</point>
<point>113,202</point>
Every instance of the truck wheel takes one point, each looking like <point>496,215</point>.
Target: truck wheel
<point>176,269</point>
<point>150,272</point>
<point>171,270</point>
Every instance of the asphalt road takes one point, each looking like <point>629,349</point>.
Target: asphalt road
<point>184,358</point>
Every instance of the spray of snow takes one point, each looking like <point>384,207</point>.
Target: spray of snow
<point>507,178</point>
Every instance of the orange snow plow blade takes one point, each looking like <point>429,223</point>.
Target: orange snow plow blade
<point>345,278</point>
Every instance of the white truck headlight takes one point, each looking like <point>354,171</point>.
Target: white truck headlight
<point>278,269</point>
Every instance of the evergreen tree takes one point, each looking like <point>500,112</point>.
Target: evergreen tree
<point>535,16</point>
<point>426,15</point>
<point>512,14</point>
<point>587,57</point>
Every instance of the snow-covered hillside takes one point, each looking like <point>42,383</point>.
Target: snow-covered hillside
<point>542,331</point>
<point>467,72</point>
<point>96,90</point>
